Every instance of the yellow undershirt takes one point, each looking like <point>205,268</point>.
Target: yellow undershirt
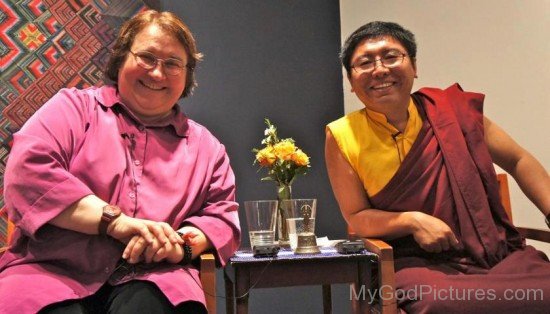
<point>365,139</point>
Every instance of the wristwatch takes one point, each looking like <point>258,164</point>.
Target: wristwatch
<point>547,219</point>
<point>187,252</point>
<point>110,213</point>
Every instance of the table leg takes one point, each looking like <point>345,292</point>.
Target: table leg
<point>363,281</point>
<point>229,294</point>
<point>242,288</point>
<point>327,299</point>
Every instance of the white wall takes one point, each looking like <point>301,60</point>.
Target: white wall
<point>497,47</point>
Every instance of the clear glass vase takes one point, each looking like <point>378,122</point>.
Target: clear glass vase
<point>284,192</point>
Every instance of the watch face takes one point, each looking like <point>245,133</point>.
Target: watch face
<point>110,212</point>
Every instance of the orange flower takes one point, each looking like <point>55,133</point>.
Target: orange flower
<point>283,160</point>
<point>266,156</point>
<point>284,150</point>
<point>300,158</point>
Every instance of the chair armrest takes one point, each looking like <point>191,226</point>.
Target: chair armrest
<point>380,248</point>
<point>376,246</point>
<point>535,234</point>
<point>208,280</point>
<point>386,273</point>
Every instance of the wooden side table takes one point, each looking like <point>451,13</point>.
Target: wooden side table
<point>244,272</point>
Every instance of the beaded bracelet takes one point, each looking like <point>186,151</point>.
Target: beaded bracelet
<point>187,252</point>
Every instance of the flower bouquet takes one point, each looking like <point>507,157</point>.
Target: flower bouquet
<point>284,161</point>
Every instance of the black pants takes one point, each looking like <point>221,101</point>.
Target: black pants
<point>132,297</point>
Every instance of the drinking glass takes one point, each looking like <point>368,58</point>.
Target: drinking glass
<point>261,217</point>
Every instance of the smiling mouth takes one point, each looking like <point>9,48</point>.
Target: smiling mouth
<point>151,86</point>
<point>383,85</point>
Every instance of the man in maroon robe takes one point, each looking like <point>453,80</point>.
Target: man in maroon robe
<point>455,249</point>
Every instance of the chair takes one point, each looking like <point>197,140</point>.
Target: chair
<point>385,271</point>
<point>528,233</point>
<point>385,267</point>
<point>9,232</point>
<point>207,272</point>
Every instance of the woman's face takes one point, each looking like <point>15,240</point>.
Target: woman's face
<point>151,94</point>
<point>383,89</point>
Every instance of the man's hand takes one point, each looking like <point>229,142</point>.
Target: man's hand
<point>432,234</point>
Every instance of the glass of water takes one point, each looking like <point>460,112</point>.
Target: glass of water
<point>261,217</point>
<point>301,220</point>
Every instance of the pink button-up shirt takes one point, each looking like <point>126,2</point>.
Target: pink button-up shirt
<point>84,142</point>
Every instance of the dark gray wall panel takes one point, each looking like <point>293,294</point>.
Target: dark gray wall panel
<point>276,59</point>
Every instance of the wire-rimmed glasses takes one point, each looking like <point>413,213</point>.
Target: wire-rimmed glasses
<point>149,61</point>
<point>389,60</point>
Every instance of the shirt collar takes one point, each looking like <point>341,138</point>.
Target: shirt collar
<point>108,97</point>
<point>382,120</point>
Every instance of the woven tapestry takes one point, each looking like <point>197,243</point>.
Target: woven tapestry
<point>46,45</point>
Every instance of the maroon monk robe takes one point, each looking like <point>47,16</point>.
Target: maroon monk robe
<point>449,174</point>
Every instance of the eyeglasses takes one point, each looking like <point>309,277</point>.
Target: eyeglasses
<point>390,60</point>
<point>149,61</point>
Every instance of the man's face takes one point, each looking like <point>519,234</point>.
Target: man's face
<point>382,89</point>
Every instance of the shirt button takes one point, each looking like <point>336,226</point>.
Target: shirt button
<point>137,162</point>
<point>132,194</point>
<point>141,128</point>
<point>106,270</point>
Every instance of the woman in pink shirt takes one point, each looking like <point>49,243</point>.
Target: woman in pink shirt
<point>114,191</point>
